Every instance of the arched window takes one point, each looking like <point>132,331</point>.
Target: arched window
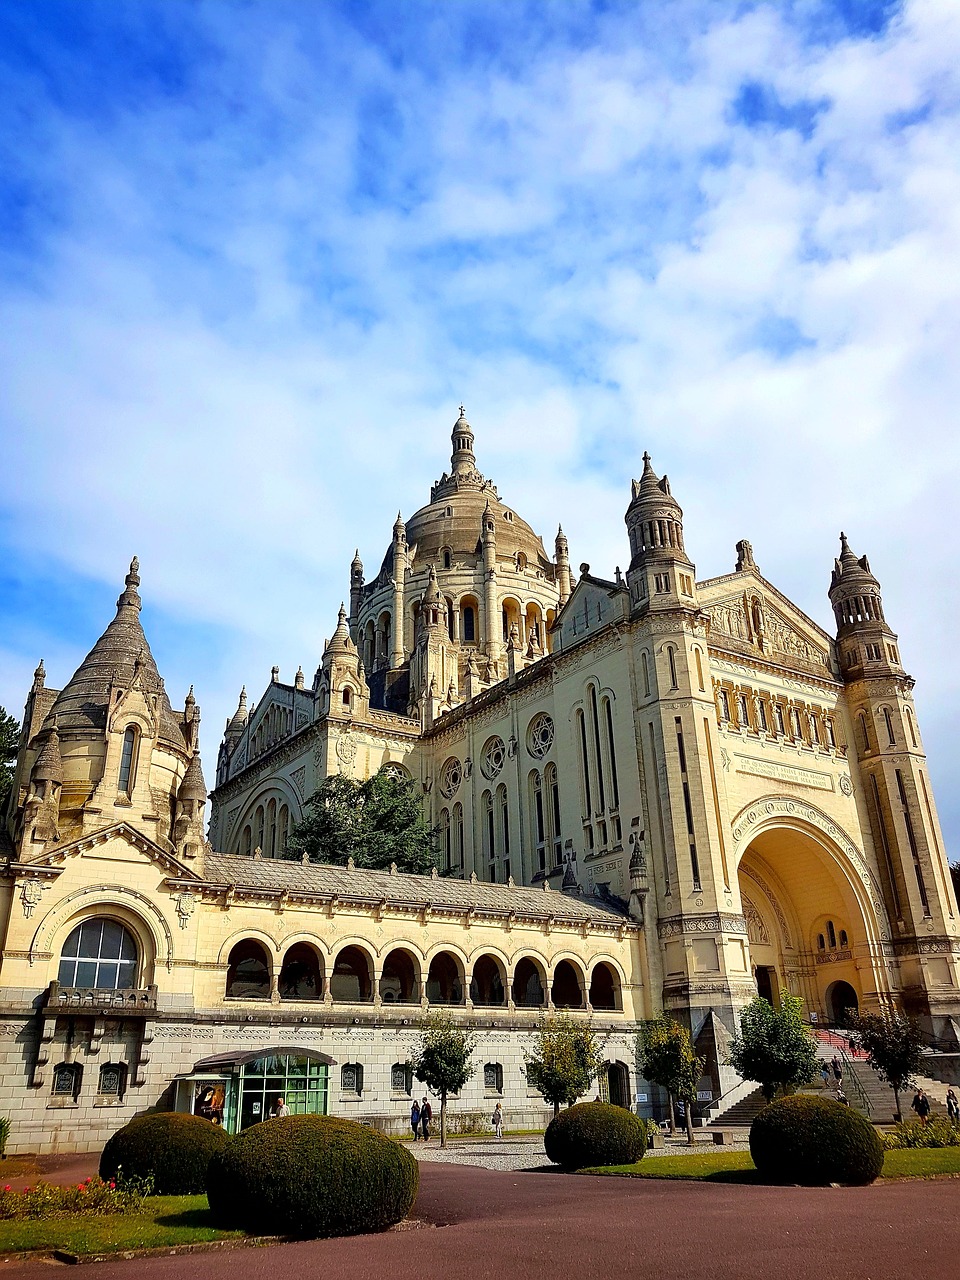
<point>456,836</point>
<point>645,670</point>
<point>469,620</point>
<point>486,985</point>
<point>270,851</point>
<point>604,988</point>
<point>66,1080</point>
<point>445,838</point>
<point>351,981</point>
<point>128,760</point>
<point>283,830</point>
<point>696,654</point>
<point>446,557</point>
<point>258,828</point>
<point>831,934</point>
<point>248,971</point>
<point>538,826</point>
<point>612,752</point>
<point>347,693</point>
<point>912,728</point>
<point>567,992</point>
<point>821,942</point>
<point>486,832</point>
<point>99,953</point>
<point>503,824</point>
<point>246,841</point>
<point>444,980</point>
<point>112,1080</point>
<point>864,732</point>
<point>844,943</point>
<point>888,720</point>
<point>553,813</point>
<point>400,981</point>
<point>672,659</point>
<point>527,985</point>
<point>301,977</point>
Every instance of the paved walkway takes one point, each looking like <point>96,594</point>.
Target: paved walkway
<point>541,1226</point>
<point>527,1153</point>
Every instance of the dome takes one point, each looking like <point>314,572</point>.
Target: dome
<point>453,517</point>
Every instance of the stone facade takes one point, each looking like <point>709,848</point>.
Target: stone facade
<point>651,793</point>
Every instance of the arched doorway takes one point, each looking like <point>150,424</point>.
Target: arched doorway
<point>618,1084</point>
<point>812,926</point>
<point>842,1000</point>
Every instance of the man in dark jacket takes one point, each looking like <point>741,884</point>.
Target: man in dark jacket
<point>426,1115</point>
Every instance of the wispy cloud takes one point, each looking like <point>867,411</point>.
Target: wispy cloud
<point>253,255</point>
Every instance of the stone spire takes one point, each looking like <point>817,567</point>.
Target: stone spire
<point>49,765</point>
<point>236,724</point>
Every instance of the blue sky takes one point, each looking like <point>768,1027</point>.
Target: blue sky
<point>253,255</point>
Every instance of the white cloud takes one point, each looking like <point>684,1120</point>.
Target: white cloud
<point>238,340</point>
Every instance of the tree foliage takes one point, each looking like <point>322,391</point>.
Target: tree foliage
<point>665,1056</point>
<point>442,1059</point>
<point>375,823</point>
<point>9,743</point>
<point>565,1059</point>
<point>894,1047</point>
<point>774,1046</point>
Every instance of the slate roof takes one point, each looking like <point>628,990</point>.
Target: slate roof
<point>444,893</point>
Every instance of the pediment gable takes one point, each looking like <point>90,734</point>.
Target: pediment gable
<point>592,606</point>
<point>749,614</point>
<point>122,843</point>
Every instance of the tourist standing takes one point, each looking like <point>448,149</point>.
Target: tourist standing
<point>953,1106</point>
<point>415,1119</point>
<point>426,1115</point>
<point>280,1109</point>
<point>921,1105</point>
<point>497,1121</point>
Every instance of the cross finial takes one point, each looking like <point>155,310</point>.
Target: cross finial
<point>462,411</point>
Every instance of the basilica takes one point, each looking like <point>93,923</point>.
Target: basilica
<point>651,792</point>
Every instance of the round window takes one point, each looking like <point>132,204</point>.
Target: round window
<point>451,775</point>
<point>492,757</point>
<point>540,735</point>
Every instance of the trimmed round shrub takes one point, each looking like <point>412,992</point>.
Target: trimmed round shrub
<point>815,1141</point>
<point>309,1176</point>
<point>169,1147</point>
<point>595,1133</point>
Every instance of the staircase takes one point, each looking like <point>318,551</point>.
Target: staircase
<point>864,1089</point>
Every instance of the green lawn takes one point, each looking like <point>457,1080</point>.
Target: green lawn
<point>165,1220</point>
<point>736,1166</point>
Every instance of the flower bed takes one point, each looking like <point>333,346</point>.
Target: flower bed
<point>92,1198</point>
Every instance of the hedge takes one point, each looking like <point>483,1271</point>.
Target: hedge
<point>815,1142</point>
<point>309,1176</point>
<point>171,1148</point>
<point>595,1133</point>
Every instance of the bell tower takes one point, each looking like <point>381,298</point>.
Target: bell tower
<point>897,793</point>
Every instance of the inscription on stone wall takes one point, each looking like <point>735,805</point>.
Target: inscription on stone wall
<point>784,773</point>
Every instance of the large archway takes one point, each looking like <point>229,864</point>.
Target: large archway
<point>812,923</point>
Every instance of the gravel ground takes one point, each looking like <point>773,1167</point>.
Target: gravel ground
<point>527,1153</point>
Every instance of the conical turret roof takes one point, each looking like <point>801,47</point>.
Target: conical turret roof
<point>49,765</point>
<point>121,653</point>
<point>193,786</point>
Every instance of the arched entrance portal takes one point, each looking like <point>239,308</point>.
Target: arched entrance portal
<point>811,926</point>
<point>841,1001</point>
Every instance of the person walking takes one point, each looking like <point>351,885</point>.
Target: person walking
<point>426,1115</point>
<point>824,1076</point>
<point>841,1097</point>
<point>497,1121</point>
<point>921,1105</point>
<point>953,1106</point>
<point>837,1067</point>
<point>415,1119</point>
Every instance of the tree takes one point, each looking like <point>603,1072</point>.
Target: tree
<point>665,1055</point>
<point>955,877</point>
<point>375,823</point>
<point>774,1046</point>
<point>565,1060</point>
<point>441,1059</point>
<point>9,745</point>
<point>894,1047</point>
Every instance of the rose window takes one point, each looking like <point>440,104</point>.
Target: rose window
<point>492,757</point>
<point>451,775</point>
<point>540,735</point>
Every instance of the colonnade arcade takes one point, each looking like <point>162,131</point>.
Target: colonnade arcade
<point>815,921</point>
<point>403,975</point>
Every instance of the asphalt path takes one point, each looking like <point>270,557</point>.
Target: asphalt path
<point>480,1224</point>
